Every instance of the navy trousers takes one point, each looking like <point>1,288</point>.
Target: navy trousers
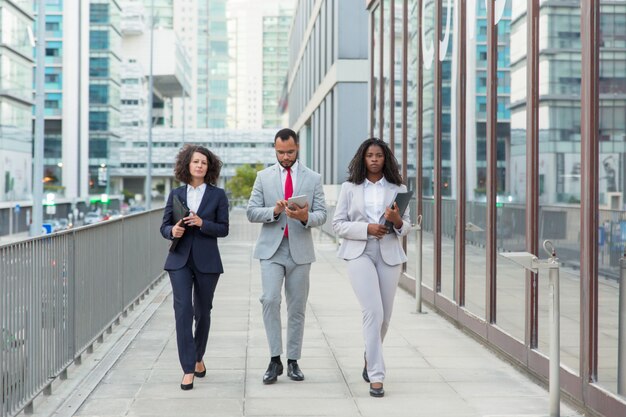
<point>193,299</point>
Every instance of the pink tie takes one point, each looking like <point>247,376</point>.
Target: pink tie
<point>288,192</point>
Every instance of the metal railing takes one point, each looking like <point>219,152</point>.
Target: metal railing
<point>60,293</point>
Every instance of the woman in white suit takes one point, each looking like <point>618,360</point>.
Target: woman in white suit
<point>373,251</point>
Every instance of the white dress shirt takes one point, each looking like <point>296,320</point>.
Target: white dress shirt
<point>194,196</point>
<point>374,199</point>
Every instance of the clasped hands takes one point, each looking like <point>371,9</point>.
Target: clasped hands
<point>292,211</point>
<point>178,230</point>
<point>379,230</point>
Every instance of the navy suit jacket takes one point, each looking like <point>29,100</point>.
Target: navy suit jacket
<point>202,241</point>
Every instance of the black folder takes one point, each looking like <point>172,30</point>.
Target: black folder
<point>402,200</point>
<point>179,210</point>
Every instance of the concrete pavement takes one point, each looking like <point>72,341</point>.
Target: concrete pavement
<point>433,369</point>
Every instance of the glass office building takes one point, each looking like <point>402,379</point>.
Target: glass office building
<point>104,92</point>
<point>16,100</point>
<point>509,121</point>
<point>212,64</point>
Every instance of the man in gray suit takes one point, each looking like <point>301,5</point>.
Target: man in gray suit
<point>285,247</point>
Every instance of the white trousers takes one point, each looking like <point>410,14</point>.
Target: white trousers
<point>374,283</point>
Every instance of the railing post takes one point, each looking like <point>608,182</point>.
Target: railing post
<point>555,337</point>
<point>621,335</point>
<point>531,263</point>
<point>418,264</point>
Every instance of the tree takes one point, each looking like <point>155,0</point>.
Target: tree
<point>240,185</point>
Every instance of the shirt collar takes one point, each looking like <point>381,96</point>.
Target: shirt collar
<point>200,187</point>
<point>381,181</point>
<point>283,170</point>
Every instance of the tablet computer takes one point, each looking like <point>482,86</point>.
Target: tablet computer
<point>298,200</point>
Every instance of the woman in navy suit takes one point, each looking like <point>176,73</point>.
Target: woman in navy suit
<point>194,266</point>
<point>373,251</point>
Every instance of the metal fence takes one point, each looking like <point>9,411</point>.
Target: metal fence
<point>59,293</point>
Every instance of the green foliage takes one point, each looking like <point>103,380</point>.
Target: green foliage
<point>240,186</point>
<point>128,196</point>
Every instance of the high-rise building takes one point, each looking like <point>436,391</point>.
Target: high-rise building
<point>258,45</point>
<point>16,56</point>
<point>104,93</point>
<point>212,65</point>
<point>67,75</point>
<point>328,83</point>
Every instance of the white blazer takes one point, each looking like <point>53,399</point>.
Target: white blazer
<point>350,223</point>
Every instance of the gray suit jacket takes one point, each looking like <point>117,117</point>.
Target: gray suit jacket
<point>350,223</point>
<point>267,190</point>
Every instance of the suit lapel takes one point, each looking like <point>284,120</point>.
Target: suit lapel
<point>205,198</point>
<point>278,182</point>
<point>299,178</point>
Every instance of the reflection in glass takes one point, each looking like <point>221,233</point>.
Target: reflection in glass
<point>398,82</point>
<point>475,173</point>
<point>511,204</point>
<point>612,184</point>
<point>559,169</point>
<point>386,78</point>
<point>411,125</point>
<point>449,119</point>
<point>376,75</point>
<point>428,120</point>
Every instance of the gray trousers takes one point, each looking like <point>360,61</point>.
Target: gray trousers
<point>274,271</point>
<point>374,283</point>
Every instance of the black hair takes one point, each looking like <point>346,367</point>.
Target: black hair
<point>357,170</point>
<point>285,134</point>
<point>183,159</point>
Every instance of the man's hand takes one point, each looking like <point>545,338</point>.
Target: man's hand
<point>280,207</point>
<point>377,230</point>
<point>178,230</point>
<point>298,213</point>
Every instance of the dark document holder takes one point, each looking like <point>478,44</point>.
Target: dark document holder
<point>402,200</point>
<point>179,210</point>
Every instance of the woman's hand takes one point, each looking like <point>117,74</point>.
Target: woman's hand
<point>377,230</point>
<point>178,230</point>
<point>393,215</point>
<point>193,220</point>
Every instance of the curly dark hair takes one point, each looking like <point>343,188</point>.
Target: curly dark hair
<point>357,169</point>
<point>183,159</point>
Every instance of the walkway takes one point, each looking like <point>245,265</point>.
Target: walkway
<point>434,369</point>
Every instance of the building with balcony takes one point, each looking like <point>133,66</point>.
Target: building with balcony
<point>234,147</point>
<point>16,99</point>
<point>328,83</point>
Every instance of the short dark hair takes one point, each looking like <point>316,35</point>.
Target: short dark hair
<point>357,170</point>
<point>285,134</point>
<point>183,159</point>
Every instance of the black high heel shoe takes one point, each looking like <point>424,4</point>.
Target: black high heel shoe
<point>377,392</point>
<point>200,374</point>
<point>186,387</point>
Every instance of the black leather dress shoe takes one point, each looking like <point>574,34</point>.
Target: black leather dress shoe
<point>294,372</point>
<point>273,370</point>
<point>200,374</point>
<point>377,392</point>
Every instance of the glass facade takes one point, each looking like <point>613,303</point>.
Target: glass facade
<point>104,91</point>
<point>275,64</point>
<point>212,64</point>
<point>16,64</point>
<point>496,149</point>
